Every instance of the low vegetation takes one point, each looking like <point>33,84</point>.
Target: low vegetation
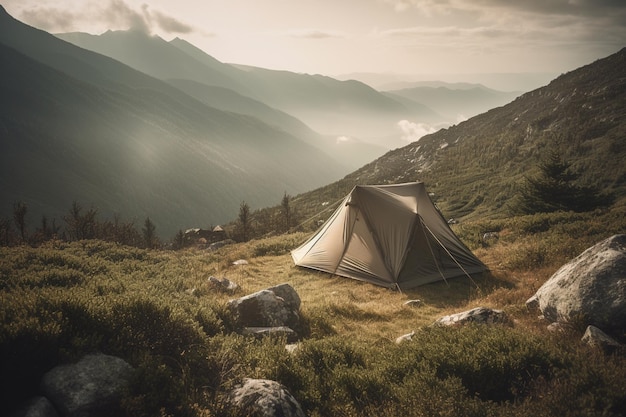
<point>157,310</point>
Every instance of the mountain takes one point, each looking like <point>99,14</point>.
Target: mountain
<point>474,168</point>
<point>459,101</point>
<point>76,125</point>
<point>326,105</point>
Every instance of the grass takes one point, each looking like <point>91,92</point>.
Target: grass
<point>157,310</point>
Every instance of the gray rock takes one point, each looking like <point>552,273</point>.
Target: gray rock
<point>590,289</point>
<point>597,338</point>
<point>36,407</point>
<point>405,338</point>
<point>413,303</point>
<point>223,284</point>
<point>287,293</point>
<point>266,398</point>
<point>90,387</point>
<point>280,331</point>
<point>480,315</point>
<point>265,308</point>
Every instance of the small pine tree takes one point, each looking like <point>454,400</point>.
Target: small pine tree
<point>244,221</point>
<point>149,234</point>
<point>555,189</point>
<point>19,216</point>
<point>285,212</point>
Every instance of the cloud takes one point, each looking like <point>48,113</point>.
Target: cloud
<point>412,132</point>
<point>50,18</point>
<point>170,24</point>
<point>114,14</point>
<point>344,139</point>
<point>314,34</point>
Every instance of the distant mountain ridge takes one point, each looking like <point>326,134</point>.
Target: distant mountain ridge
<point>464,101</point>
<point>76,125</point>
<point>328,106</point>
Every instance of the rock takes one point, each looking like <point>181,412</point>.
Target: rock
<point>405,338</point>
<point>292,347</point>
<point>279,331</point>
<point>413,303</point>
<point>262,397</point>
<point>287,293</point>
<point>223,284</point>
<point>267,309</point>
<point>36,407</point>
<point>481,315</point>
<point>558,327</point>
<point>596,337</point>
<point>90,387</point>
<point>591,288</point>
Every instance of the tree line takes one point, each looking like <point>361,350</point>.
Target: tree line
<point>80,223</point>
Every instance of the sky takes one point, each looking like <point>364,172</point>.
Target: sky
<point>333,37</point>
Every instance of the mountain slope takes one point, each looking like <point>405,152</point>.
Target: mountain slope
<point>475,167</point>
<point>140,149</point>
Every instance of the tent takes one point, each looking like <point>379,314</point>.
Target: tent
<point>389,235</point>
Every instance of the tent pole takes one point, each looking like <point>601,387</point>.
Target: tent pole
<point>431,250</point>
<point>451,256</point>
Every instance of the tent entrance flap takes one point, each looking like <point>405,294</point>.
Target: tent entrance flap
<point>389,235</point>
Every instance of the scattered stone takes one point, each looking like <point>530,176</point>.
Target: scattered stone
<point>262,397</point>
<point>596,337</point>
<point>591,288</point>
<point>36,407</point>
<point>90,387</point>
<point>292,347</point>
<point>558,327</point>
<point>413,303</point>
<point>223,284</point>
<point>405,338</point>
<point>278,331</point>
<point>480,315</point>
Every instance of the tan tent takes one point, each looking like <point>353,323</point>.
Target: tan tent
<point>389,235</point>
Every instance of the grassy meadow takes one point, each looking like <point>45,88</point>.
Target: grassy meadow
<point>157,310</point>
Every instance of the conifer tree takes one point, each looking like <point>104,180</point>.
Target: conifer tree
<point>244,221</point>
<point>19,216</point>
<point>555,189</point>
<point>149,234</point>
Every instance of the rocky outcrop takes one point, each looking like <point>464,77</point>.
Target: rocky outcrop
<point>590,289</point>
<point>262,397</point>
<point>90,387</point>
<point>481,315</point>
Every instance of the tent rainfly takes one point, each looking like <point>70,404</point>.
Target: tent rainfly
<point>389,235</point>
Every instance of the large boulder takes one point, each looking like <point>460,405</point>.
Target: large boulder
<point>590,289</point>
<point>274,307</point>
<point>262,397</point>
<point>90,387</point>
